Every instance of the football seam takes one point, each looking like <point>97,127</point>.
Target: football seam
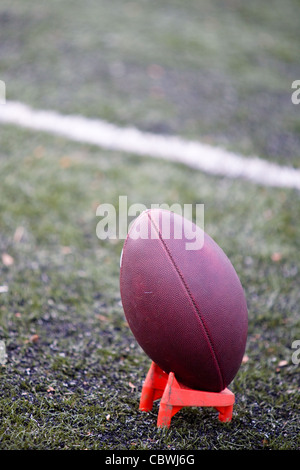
<point>202,322</point>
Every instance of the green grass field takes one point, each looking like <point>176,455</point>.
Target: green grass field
<point>220,72</point>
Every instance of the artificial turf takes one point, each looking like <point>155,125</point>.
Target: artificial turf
<point>217,71</point>
<point>74,372</point>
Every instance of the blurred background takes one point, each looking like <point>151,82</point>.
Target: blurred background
<point>217,71</point>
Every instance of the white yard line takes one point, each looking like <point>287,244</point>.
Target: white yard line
<point>200,156</point>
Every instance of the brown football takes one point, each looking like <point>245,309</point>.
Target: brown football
<point>185,307</point>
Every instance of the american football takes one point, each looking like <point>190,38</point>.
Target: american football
<point>185,307</point>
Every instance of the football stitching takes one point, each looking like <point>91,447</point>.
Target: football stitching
<point>202,322</point>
